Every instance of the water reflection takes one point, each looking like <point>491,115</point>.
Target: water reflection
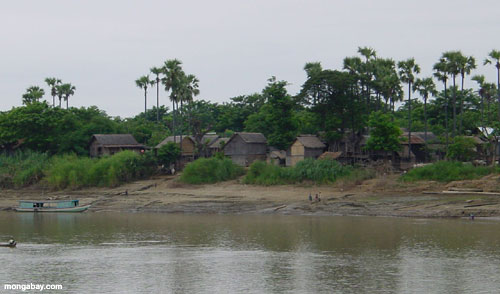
<point>144,253</point>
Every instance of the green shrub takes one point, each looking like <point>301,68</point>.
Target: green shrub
<point>71,171</point>
<point>447,171</point>
<point>21,169</point>
<point>210,170</point>
<point>317,171</point>
<point>462,149</point>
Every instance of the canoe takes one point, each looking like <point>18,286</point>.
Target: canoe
<point>11,245</point>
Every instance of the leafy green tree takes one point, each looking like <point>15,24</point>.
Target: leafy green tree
<point>168,154</point>
<point>52,83</point>
<point>144,82</point>
<point>275,118</point>
<point>384,133</point>
<point>33,94</point>
<point>452,59</point>
<point>462,149</point>
<point>407,69</point>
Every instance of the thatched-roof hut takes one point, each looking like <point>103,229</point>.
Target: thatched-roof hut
<point>245,148</point>
<point>304,146</point>
<point>109,144</point>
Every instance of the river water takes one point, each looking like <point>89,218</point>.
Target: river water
<point>162,253</point>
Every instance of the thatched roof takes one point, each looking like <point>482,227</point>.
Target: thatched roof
<point>217,143</point>
<point>431,137</point>
<point>116,140</point>
<point>477,140</point>
<point>415,139</point>
<point>171,139</point>
<point>258,138</point>
<point>280,154</point>
<point>209,139</point>
<point>311,141</point>
<point>330,155</point>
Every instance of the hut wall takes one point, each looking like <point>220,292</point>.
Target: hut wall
<point>243,153</point>
<point>94,149</point>
<point>187,147</point>
<point>314,153</point>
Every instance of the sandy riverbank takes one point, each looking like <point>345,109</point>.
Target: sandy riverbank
<point>383,196</point>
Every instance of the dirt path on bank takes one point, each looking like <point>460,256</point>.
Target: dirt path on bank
<point>384,196</point>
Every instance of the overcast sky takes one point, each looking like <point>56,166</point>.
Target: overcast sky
<point>232,46</point>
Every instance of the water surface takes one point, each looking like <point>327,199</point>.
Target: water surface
<point>162,253</point>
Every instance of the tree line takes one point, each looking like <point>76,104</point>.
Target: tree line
<point>331,102</point>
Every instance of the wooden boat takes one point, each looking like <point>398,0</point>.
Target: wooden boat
<point>51,206</point>
<point>11,244</point>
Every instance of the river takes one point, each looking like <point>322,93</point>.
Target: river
<point>164,253</point>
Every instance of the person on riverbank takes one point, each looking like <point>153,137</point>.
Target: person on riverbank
<point>310,197</point>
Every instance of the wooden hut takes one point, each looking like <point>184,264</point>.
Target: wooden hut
<point>217,145</point>
<point>109,144</point>
<point>245,148</point>
<point>188,146</point>
<point>304,146</point>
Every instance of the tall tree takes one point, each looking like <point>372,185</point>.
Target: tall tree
<point>172,82</point>
<point>452,59</point>
<point>466,65</point>
<point>425,87</point>
<point>367,71</point>
<point>67,91</point>
<point>275,119</point>
<point>494,58</point>
<point>33,94</point>
<point>407,70</point>
<point>157,71</point>
<point>52,83</point>
<point>441,74</point>
<point>144,82</point>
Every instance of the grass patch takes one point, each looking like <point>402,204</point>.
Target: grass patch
<point>447,171</point>
<point>309,170</point>
<point>71,171</point>
<point>22,168</point>
<point>210,170</point>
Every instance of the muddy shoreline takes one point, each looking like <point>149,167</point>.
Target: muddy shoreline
<point>377,197</point>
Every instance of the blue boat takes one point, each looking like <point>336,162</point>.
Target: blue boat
<point>51,206</point>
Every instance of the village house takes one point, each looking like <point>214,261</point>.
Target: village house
<point>245,148</point>
<point>304,146</point>
<point>217,145</point>
<point>109,144</point>
<point>188,146</point>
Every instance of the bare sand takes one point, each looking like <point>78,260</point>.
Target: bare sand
<point>383,196</point>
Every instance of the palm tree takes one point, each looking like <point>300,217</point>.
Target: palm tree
<point>143,83</point>
<point>466,65</point>
<point>441,74</point>
<point>494,57</point>
<point>425,87</point>
<point>453,66</point>
<point>157,71</point>
<point>33,94</point>
<point>189,90</point>
<point>59,93</point>
<point>52,83</point>
<point>66,91</point>
<point>480,80</point>
<point>367,68</point>
<point>407,69</point>
<point>172,82</point>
